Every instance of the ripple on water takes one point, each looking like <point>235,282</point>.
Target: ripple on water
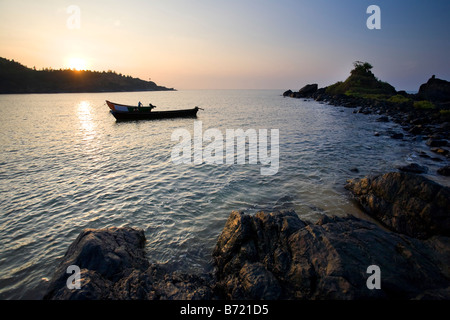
<point>87,171</point>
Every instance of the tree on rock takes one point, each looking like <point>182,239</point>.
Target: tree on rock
<point>361,67</point>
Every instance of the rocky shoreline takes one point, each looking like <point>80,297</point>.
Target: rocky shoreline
<point>279,256</point>
<point>432,125</point>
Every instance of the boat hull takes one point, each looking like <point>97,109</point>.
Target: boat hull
<point>127,113</point>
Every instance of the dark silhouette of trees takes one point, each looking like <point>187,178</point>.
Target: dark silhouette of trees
<point>16,78</point>
<point>361,67</point>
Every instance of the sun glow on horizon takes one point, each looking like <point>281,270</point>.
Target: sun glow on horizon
<point>77,64</point>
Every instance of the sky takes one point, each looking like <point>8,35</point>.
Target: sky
<point>233,44</point>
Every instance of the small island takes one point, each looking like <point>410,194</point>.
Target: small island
<point>16,78</point>
<point>363,89</point>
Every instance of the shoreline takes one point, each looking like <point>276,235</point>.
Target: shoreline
<point>278,256</point>
<point>425,124</point>
<point>348,113</point>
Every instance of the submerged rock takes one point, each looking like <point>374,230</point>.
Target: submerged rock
<point>405,202</point>
<point>414,168</point>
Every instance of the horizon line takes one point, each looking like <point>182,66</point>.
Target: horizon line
<point>150,79</point>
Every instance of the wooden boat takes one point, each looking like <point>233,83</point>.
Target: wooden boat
<point>123,112</point>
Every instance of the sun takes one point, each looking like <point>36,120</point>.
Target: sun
<point>77,64</point>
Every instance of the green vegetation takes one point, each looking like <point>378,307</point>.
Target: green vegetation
<point>424,104</point>
<point>362,83</point>
<point>16,78</point>
<point>398,98</point>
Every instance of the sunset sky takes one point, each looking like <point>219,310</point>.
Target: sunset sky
<point>234,44</point>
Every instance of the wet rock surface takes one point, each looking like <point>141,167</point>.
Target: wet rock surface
<point>265,256</point>
<point>279,256</point>
<point>413,167</point>
<point>405,202</point>
<point>113,265</point>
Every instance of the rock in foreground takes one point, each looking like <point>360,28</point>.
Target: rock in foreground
<point>278,256</point>
<point>405,202</point>
<point>113,266</point>
<point>265,256</point>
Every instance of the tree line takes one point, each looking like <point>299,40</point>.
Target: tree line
<point>17,78</point>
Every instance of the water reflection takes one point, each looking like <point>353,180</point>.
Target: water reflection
<point>86,119</point>
<point>89,141</point>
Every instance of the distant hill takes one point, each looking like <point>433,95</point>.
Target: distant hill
<point>16,78</point>
<point>361,82</point>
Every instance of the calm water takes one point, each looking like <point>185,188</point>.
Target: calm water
<point>66,165</point>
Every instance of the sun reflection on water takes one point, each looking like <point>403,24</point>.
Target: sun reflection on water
<point>87,123</point>
<point>87,130</point>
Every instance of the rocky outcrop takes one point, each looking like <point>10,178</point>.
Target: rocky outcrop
<point>431,120</point>
<point>279,256</point>
<point>308,90</point>
<point>265,256</point>
<point>305,92</point>
<point>432,124</point>
<point>435,90</point>
<point>113,265</point>
<point>405,202</point>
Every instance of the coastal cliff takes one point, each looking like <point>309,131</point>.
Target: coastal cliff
<point>279,256</point>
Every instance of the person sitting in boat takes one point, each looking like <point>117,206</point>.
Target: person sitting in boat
<point>151,106</point>
<point>140,104</point>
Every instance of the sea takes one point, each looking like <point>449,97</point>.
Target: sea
<point>67,165</point>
